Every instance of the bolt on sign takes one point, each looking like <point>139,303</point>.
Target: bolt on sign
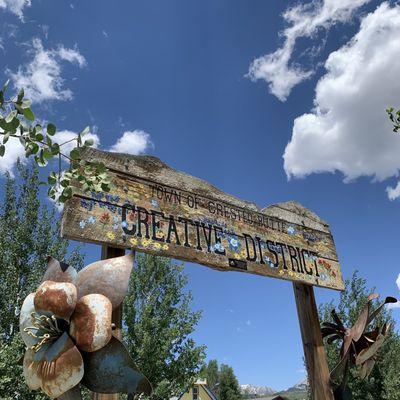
<point>155,209</point>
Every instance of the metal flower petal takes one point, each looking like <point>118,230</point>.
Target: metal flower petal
<point>58,369</point>
<point>26,320</point>
<point>107,277</point>
<point>91,322</point>
<point>59,271</point>
<point>58,298</point>
<point>112,370</point>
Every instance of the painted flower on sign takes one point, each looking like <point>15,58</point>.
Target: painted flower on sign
<point>66,326</point>
<point>104,218</point>
<point>234,243</point>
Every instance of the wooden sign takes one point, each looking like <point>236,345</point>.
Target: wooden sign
<point>155,209</point>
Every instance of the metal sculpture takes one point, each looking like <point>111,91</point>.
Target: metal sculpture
<point>66,326</point>
<point>359,347</point>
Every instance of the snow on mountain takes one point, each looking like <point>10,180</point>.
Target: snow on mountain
<point>256,390</point>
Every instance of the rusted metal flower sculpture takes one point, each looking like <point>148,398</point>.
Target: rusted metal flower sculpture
<point>66,326</point>
<point>359,347</point>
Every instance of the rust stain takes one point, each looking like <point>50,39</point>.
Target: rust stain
<point>58,298</point>
<point>91,322</point>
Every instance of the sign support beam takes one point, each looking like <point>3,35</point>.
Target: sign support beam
<point>111,252</point>
<point>314,351</point>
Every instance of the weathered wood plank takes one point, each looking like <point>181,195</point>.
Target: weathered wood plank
<point>314,351</point>
<point>155,209</point>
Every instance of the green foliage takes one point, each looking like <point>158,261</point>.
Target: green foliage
<point>221,380</point>
<point>28,234</point>
<point>17,121</point>
<point>210,371</point>
<point>383,383</point>
<point>394,118</point>
<point>228,388</point>
<point>158,323</point>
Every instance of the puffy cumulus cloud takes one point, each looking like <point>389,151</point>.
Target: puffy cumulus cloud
<point>395,305</point>
<point>41,77</point>
<point>14,150</point>
<point>132,142</point>
<point>15,6</point>
<point>348,130</point>
<point>304,20</point>
<point>67,137</point>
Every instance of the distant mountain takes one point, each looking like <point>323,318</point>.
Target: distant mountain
<point>303,385</point>
<point>256,390</point>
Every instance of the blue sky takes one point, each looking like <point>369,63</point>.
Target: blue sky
<point>268,100</point>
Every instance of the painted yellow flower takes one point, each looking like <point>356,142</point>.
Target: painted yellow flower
<point>111,235</point>
<point>133,241</point>
<point>165,247</point>
<point>157,246</point>
<point>146,242</point>
<point>281,272</point>
<point>243,254</point>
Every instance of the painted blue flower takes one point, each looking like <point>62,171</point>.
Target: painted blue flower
<point>234,244</point>
<point>291,230</point>
<point>219,247</point>
<point>154,203</point>
<point>116,219</point>
<point>82,224</point>
<point>91,219</point>
<point>323,277</point>
<point>124,224</point>
<point>116,227</point>
<point>270,262</point>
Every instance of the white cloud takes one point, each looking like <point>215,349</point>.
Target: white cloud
<point>41,78</point>
<point>305,20</point>
<point>68,136</point>
<point>14,150</point>
<point>132,142</point>
<point>395,305</point>
<point>15,6</point>
<point>348,130</point>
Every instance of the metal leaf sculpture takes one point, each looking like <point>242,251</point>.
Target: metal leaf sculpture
<point>359,347</point>
<point>66,326</point>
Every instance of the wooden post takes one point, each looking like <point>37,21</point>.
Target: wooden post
<point>314,350</point>
<point>110,252</point>
<point>73,394</point>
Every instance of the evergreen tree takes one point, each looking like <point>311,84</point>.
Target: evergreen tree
<point>384,382</point>
<point>158,323</point>
<point>28,234</point>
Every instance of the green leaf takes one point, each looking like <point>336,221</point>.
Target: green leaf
<point>21,95</point>
<point>51,129</point>
<point>89,142</point>
<point>74,154</point>
<point>28,114</point>
<point>55,149</point>
<point>11,116</point>
<point>52,178</point>
<point>85,131</point>
<point>31,148</point>
<point>39,137</point>
<point>2,150</point>
<point>47,153</point>
<point>6,137</point>
<point>26,104</point>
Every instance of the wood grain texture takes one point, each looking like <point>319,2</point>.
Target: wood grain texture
<point>111,252</point>
<point>314,351</point>
<point>155,209</point>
